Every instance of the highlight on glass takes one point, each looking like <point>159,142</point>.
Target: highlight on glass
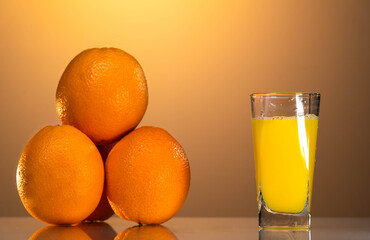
<point>284,138</point>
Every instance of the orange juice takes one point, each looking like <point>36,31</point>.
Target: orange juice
<point>284,153</point>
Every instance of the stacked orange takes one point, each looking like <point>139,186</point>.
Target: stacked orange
<point>61,178</point>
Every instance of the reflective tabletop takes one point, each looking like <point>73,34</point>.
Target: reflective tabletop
<point>184,228</point>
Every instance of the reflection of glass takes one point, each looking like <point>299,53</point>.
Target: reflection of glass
<point>146,232</point>
<point>280,234</point>
<point>284,138</point>
<point>95,231</point>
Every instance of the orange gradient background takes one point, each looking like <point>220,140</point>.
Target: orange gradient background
<point>202,59</point>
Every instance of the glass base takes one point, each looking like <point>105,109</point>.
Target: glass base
<point>273,234</point>
<point>270,219</point>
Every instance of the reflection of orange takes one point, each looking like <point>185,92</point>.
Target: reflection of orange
<point>103,211</point>
<point>147,176</point>
<point>148,232</point>
<point>60,233</point>
<point>60,175</point>
<point>98,230</point>
<point>102,92</point>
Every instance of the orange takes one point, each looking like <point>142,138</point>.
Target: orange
<point>147,176</point>
<point>103,92</point>
<point>103,211</point>
<point>60,175</point>
<point>60,233</point>
<point>147,232</point>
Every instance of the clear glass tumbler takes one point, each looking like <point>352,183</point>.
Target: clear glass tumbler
<point>284,138</point>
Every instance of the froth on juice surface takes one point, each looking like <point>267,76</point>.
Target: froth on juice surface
<point>284,153</point>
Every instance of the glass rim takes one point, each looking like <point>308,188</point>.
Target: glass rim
<point>286,94</point>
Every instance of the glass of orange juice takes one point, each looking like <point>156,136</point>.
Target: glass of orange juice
<point>284,139</point>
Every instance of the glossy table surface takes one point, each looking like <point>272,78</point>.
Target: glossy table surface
<point>184,228</point>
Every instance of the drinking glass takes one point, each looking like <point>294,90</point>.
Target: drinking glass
<point>284,139</point>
